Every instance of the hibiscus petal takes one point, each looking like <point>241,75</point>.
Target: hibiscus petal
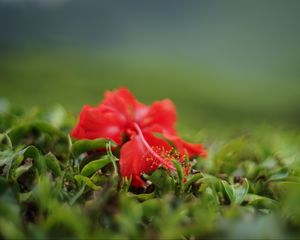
<point>93,123</point>
<point>123,102</point>
<point>184,147</point>
<point>136,159</point>
<point>160,118</point>
<point>192,148</point>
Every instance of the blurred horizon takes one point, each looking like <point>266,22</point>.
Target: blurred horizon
<point>218,61</point>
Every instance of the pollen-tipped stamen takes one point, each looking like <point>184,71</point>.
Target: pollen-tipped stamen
<point>151,151</point>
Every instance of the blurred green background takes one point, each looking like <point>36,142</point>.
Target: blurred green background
<point>223,62</point>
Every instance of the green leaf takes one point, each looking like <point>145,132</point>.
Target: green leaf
<point>152,207</point>
<point>282,188</point>
<point>82,146</point>
<point>241,191</point>
<point>178,170</point>
<point>162,181</point>
<point>25,196</point>
<point>6,161</point>
<point>38,162</point>
<point>5,140</point>
<point>143,196</point>
<point>95,165</point>
<point>32,153</point>
<point>77,195</point>
<point>53,164</point>
<point>125,184</point>
<point>229,191</point>
<point>282,174</point>
<point>208,180</point>
<point>260,201</point>
<point>211,194</point>
<point>193,179</point>
<point>237,192</point>
<point>23,130</point>
<point>87,181</point>
<point>22,169</point>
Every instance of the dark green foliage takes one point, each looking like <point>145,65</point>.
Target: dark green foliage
<point>53,187</point>
<point>82,146</point>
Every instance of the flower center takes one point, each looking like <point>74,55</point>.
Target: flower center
<point>153,153</point>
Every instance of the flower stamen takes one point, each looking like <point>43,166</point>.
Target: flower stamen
<point>151,151</point>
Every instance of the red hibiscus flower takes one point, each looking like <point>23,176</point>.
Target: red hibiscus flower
<point>120,116</point>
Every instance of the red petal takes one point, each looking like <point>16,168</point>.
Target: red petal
<point>192,148</point>
<point>184,147</point>
<point>160,118</point>
<point>93,123</point>
<point>135,158</point>
<point>124,103</point>
<point>116,114</point>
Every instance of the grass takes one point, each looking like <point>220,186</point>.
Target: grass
<point>248,187</point>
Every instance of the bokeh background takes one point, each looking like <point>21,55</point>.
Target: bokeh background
<point>227,62</point>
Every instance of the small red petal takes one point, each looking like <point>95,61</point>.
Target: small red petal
<point>185,147</point>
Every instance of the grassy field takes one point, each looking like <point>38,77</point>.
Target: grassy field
<point>71,77</point>
<point>248,187</point>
